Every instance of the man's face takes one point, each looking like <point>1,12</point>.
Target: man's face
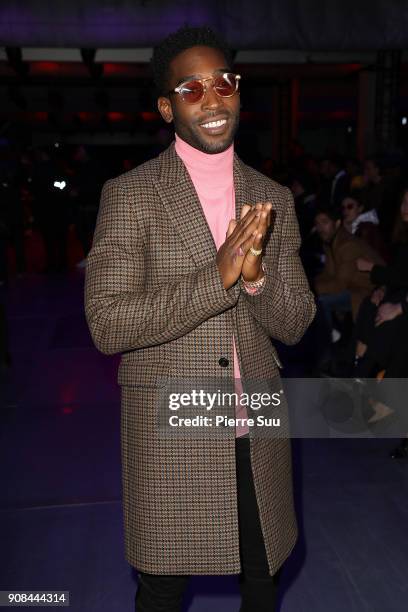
<point>325,227</point>
<point>350,209</point>
<point>371,172</point>
<point>190,119</point>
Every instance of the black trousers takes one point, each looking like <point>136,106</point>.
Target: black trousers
<point>386,344</point>
<point>158,593</point>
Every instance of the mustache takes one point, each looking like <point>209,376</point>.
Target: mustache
<point>211,116</point>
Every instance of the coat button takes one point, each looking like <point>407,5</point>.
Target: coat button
<point>223,361</point>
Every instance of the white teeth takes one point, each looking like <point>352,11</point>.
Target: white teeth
<point>214,124</point>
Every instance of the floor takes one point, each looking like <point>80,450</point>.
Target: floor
<point>61,521</point>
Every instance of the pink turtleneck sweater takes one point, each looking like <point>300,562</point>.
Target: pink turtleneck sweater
<point>213,178</point>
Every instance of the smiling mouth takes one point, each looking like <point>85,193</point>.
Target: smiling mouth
<point>213,125</point>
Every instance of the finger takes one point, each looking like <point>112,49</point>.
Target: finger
<point>246,245</point>
<point>246,234</point>
<point>231,226</point>
<point>245,209</point>
<point>261,229</point>
<point>268,207</point>
<point>269,210</point>
<point>263,222</point>
<point>248,224</point>
<point>257,245</point>
<point>249,216</point>
<point>254,213</point>
<point>266,217</point>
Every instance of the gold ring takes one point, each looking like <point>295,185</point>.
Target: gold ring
<point>255,252</point>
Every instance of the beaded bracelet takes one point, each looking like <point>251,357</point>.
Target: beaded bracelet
<point>255,284</point>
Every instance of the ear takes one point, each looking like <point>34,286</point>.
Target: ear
<point>164,106</point>
<point>338,223</point>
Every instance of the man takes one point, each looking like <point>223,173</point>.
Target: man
<point>336,183</point>
<point>340,285</point>
<point>373,190</point>
<point>185,278</point>
<point>304,194</point>
<point>381,192</point>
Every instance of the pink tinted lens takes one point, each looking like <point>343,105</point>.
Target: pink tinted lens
<point>225,85</point>
<point>192,91</point>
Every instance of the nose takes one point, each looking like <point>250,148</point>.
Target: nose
<point>210,99</point>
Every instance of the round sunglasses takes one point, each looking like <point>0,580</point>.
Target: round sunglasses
<point>193,91</point>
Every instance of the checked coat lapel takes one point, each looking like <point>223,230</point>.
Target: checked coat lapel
<point>178,193</point>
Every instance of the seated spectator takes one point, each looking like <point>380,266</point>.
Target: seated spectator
<point>374,346</point>
<point>381,333</point>
<point>363,224</point>
<point>387,354</point>
<point>341,286</point>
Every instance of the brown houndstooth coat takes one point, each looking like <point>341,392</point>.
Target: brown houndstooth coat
<point>153,293</point>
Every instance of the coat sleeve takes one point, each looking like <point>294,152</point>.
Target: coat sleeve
<point>120,313</point>
<point>286,305</point>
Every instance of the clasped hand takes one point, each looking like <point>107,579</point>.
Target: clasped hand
<point>234,257</point>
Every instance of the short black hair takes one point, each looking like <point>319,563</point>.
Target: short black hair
<point>332,213</point>
<point>184,38</point>
<point>355,194</point>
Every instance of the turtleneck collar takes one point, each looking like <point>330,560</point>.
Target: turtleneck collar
<point>211,172</point>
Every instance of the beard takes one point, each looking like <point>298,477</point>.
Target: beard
<point>192,134</point>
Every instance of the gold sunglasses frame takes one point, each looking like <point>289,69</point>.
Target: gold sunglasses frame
<point>203,82</point>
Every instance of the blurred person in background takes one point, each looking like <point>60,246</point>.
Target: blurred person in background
<point>361,223</point>
<point>340,286</point>
<point>303,189</point>
<point>304,194</point>
<point>374,346</point>
<point>354,171</point>
<point>374,185</point>
<point>335,183</point>
<point>378,194</point>
<point>385,358</point>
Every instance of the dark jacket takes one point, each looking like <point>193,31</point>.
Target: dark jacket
<point>395,275</point>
